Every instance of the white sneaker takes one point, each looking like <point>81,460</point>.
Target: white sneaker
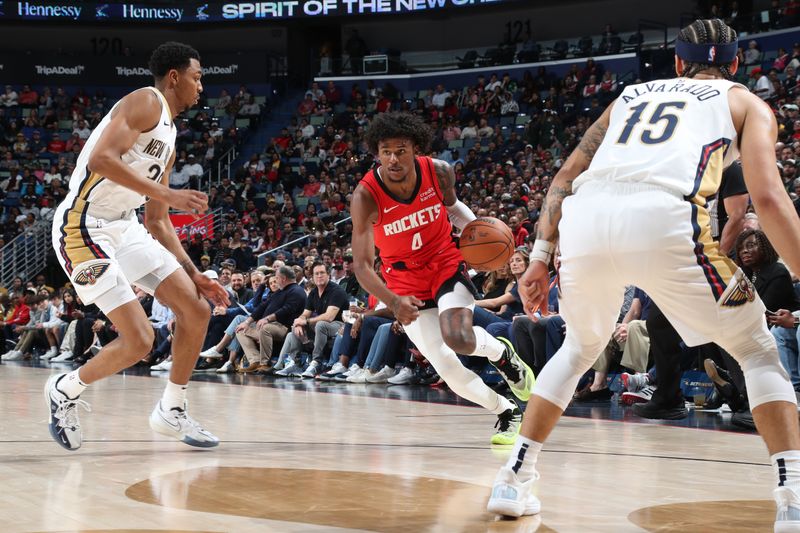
<point>49,354</point>
<point>65,428</point>
<point>13,355</point>
<point>402,377</point>
<point>382,375</point>
<point>341,378</point>
<point>511,497</point>
<point>211,353</point>
<point>359,376</point>
<point>311,370</point>
<point>226,368</point>
<point>163,365</point>
<point>177,424</point>
<point>339,368</point>
<point>787,519</point>
<point>290,369</point>
<point>63,357</point>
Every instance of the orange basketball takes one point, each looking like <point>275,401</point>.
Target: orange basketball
<point>487,244</point>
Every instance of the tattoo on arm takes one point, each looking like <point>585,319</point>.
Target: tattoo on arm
<point>445,175</point>
<point>188,266</point>
<point>592,140</point>
<point>551,211</point>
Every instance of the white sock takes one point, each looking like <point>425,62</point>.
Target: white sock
<point>486,345</point>
<point>787,469</point>
<point>71,384</point>
<point>174,396</point>
<point>503,404</point>
<point>523,458</point>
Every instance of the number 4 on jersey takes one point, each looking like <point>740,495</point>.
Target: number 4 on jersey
<point>416,241</point>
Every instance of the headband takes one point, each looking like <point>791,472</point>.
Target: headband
<point>711,53</point>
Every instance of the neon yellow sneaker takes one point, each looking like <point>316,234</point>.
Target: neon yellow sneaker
<point>508,424</point>
<point>514,371</point>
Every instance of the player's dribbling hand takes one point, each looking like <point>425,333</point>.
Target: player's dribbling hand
<point>211,289</point>
<point>188,200</point>
<point>533,288</point>
<point>406,308</point>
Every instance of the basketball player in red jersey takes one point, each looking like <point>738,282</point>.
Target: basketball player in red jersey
<point>402,208</point>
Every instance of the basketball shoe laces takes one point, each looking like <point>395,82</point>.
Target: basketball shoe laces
<point>187,422</point>
<point>508,368</point>
<point>67,413</point>
<point>504,420</point>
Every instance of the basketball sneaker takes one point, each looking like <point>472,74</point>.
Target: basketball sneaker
<point>65,428</point>
<point>635,382</point>
<point>787,518</point>
<point>291,368</point>
<point>514,371</point>
<point>511,497</point>
<point>641,396</point>
<point>177,424</point>
<point>508,424</point>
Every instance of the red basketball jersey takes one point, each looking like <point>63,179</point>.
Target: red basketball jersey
<point>414,230</point>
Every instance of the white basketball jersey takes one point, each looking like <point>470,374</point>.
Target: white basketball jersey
<point>676,134</point>
<point>148,157</point>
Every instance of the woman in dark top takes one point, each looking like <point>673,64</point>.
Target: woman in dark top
<point>759,261</point>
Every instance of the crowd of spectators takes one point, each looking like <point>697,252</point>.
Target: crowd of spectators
<point>43,130</point>
<point>302,311</point>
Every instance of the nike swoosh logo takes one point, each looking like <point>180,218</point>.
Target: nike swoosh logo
<point>166,123</point>
<point>387,209</point>
<point>170,424</point>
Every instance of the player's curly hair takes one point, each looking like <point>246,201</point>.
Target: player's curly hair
<point>768,253</point>
<point>707,31</point>
<point>399,126</point>
<point>171,55</point>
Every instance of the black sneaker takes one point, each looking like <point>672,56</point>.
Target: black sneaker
<point>743,419</point>
<point>204,365</point>
<point>656,411</point>
<point>514,371</point>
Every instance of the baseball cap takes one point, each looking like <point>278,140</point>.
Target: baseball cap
<point>205,257</point>
<point>790,107</point>
<point>229,261</point>
<point>211,274</point>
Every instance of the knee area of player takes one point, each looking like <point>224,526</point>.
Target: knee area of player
<point>460,340</point>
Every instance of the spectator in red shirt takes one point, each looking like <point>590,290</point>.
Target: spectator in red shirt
<point>311,188</point>
<point>28,97</point>
<point>333,94</point>
<point>383,104</point>
<point>307,106</point>
<point>20,315</point>
<point>520,233</point>
<point>284,139</point>
<point>339,145</point>
<point>72,141</point>
<point>56,145</point>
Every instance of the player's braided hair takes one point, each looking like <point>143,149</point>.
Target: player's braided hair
<point>707,31</point>
<point>768,253</point>
<point>398,125</point>
<point>171,55</point>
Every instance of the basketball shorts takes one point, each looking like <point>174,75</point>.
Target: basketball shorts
<point>613,235</point>
<point>431,280</point>
<point>104,256</point>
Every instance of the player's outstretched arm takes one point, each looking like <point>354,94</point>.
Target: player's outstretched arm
<point>364,212</point>
<point>534,284</point>
<point>136,113</point>
<point>757,137</point>
<point>160,227</point>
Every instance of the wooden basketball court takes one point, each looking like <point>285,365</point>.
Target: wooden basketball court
<point>310,457</point>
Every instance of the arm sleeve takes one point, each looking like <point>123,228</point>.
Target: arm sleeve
<point>460,214</point>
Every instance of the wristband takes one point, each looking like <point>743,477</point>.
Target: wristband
<point>542,251</point>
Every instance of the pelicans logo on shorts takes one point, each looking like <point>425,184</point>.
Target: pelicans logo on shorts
<point>741,292</point>
<point>89,275</point>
